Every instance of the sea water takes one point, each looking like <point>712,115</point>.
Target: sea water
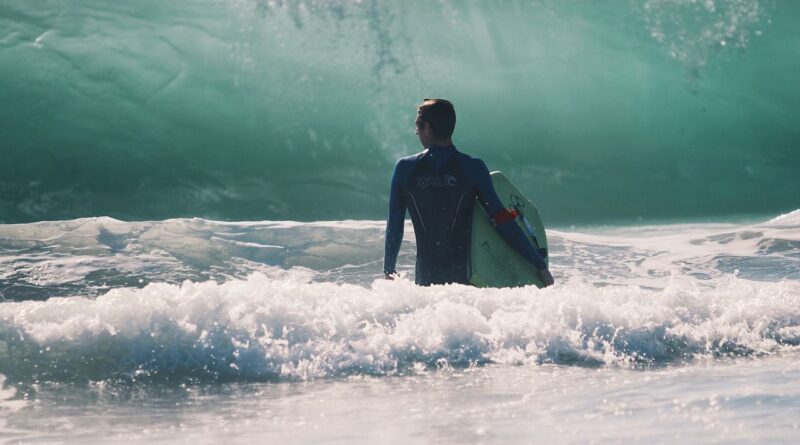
<point>602,111</point>
<point>201,331</point>
<point>192,197</point>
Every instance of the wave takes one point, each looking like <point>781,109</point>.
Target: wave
<point>295,301</point>
<point>283,327</point>
<point>90,256</point>
<point>297,109</point>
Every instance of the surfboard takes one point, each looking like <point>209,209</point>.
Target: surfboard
<point>494,263</point>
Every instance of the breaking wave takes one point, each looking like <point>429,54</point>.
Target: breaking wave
<point>284,327</point>
<point>636,296</point>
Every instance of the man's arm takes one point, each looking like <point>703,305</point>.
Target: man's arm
<point>394,223</point>
<point>508,229</point>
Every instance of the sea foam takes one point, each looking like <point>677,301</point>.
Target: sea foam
<point>192,299</point>
<point>285,326</point>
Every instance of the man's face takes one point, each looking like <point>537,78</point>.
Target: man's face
<point>423,131</point>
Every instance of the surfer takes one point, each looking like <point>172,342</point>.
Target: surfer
<point>438,187</point>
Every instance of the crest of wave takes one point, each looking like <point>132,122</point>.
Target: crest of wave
<point>694,30</point>
<point>281,325</point>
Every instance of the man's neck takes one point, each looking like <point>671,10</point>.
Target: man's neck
<point>442,143</point>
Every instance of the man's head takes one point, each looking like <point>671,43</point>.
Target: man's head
<point>436,120</point>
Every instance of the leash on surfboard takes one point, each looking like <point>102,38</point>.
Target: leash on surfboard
<point>531,232</point>
<point>506,215</point>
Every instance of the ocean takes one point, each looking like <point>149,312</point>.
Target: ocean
<point>190,330</point>
<point>192,204</point>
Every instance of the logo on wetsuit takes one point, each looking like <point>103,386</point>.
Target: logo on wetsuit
<point>436,181</point>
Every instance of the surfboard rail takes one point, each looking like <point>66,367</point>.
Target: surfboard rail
<point>494,263</point>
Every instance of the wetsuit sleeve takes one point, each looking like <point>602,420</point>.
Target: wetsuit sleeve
<point>395,221</point>
<point>509,230</point>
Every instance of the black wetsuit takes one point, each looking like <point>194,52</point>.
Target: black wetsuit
<point>438,187</point>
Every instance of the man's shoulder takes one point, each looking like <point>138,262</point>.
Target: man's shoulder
<point>404,167</point>
<point>410,159</point>
<point>467,157</point>
<point>469,161</point>
<point>407,162</point>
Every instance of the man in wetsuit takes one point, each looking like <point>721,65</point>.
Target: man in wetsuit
<point>438,187</point>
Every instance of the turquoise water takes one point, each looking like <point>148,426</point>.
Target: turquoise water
<point>192,198</point>
<point>256,110</point>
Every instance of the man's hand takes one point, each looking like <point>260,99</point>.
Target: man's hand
<point>546,277</point>
<point>388,276</point>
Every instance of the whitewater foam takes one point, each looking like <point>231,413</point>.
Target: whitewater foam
<point>286,327</point>
<point>204,300</point>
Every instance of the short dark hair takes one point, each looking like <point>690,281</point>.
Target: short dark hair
<point>441,115</point>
